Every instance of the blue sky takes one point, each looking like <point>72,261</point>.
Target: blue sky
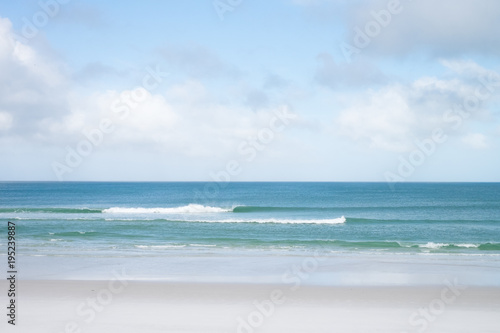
<point>285,90</point>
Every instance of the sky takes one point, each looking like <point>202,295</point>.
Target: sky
<point>236,90</point>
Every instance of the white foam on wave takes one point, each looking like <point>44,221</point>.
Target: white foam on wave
<point>339,220</point>
<point>467,245</point>
<point>432,245</point>
<point>200,209</point>
<point>191,208</point>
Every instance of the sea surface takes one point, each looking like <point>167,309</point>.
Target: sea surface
<point>92,220</point>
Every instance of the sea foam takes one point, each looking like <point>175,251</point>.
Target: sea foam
<point>432,245</point>
<point>338,220</point>
<point>200,209</point>
<point>191,208</point>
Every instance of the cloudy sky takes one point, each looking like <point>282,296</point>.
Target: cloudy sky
<point>301,90</point>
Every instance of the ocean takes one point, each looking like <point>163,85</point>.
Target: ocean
<point>86,223</point>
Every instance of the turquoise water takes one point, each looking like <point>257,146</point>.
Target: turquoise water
<point>157,219</point>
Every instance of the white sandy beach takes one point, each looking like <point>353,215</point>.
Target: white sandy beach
<point>252,294</point>
<point>134,306</point>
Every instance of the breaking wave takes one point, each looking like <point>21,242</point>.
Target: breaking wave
<point>191,208</point>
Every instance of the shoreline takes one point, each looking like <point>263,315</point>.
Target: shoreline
<point>120,305</point>
<point>346,270</point>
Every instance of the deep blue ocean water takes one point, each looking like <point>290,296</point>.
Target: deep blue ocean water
<point>160,219</point>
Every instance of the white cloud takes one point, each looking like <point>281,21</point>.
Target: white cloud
<point>439,28</point>
<point>354,74</point>
<point>39,102</point>
<point>475,140</point>
<point>29,82</point>
<point>19,58</point>
<point>464,67</point>
<point>382,120</point>
<point>394,116</point>
<point>5,121</point>
<point>184,120</point>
